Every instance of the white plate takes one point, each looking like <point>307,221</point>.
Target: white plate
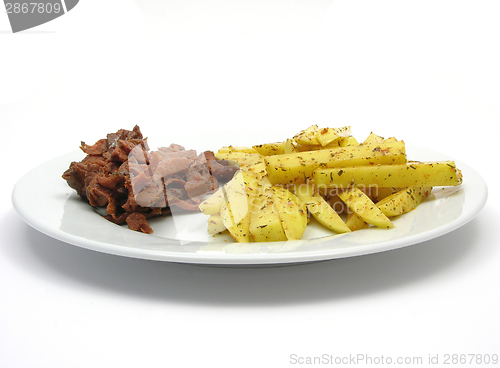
<point>44,200</point>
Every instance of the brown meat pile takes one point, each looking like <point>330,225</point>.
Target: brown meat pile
<point>134,183</point>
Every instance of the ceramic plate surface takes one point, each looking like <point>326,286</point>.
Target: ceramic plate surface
<point>44,200</point>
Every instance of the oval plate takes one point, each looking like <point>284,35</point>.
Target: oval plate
<point>44,200</point>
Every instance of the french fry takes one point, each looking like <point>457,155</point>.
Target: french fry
<point>403,201</point>
<point>297,168</point>
<point>439,173</point>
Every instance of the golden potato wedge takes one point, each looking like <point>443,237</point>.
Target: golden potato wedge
<point>235,211</point>
<point>292,213</point>
<point>327,217</point>
<point>403,201</point>
<point>239,230</point>
<point>212,204</point>
<point>438,173</point>
<point>265,222</point>
<point>320,209</point>
<point>361,205</point>
<point>297,168</point>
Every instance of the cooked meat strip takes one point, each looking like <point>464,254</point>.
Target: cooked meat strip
<point>220,169</point>
<point>120,173</point>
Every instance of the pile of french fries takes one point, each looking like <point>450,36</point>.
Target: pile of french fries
<point>324,173</point>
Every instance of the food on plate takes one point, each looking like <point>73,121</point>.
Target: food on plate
<point>133,183</point>
<point>297,168</point>
<point>310,139</point>
<point>324,173</point>
<point>269,149</point>
<point>262,193</point>
<point>360,204</point>
<point>276,214</point>
<point>234,209</point>
<point>403,201</point>
<point>291,211</point>
<point>432,174</point>
<point>314,136</point>
<point>322,211</point>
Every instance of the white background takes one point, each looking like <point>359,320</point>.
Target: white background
<point>423,71</point>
